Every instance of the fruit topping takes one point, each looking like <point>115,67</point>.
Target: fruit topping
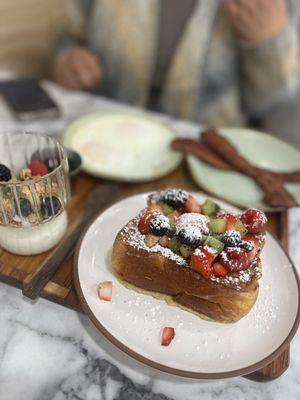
<point>190,235</point>
<point>186,251</point>
<point>254,220</point>
<point>191,205</point>
<point>174,244</point>
<point>174,197</point>
<point>256,245</point>
<point>163,241</point>
<point>168,335</point>
<point>166,209</point>
<point>219,269</point>
<point>209,207</point>
<point>234,259</point>
<point>248,246</point>
<point>146,217</point>
<point>232,239</point>
<point>213,242</point>
<point>105,290</point>
<point>193,220</point>
<point>50,206</point>
<point>240,227</point>
<point>201,261</point>
<point>25,207</point>
<point>5,174</point>
<point>37,167</point>
<point>217,225</point>
<point>159,225</point>
<point>173,217</point>
<point>230,221</point>
<point>151,240</point>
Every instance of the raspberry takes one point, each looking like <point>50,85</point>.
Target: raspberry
<point>254,220</point>
<point>5,174</point>
<point>234,259</point>
<point>37,167</point>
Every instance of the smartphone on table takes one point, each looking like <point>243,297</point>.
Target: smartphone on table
<point>28,100</point>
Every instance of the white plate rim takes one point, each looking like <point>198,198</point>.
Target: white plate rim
<point>161,367</point>
<point>115,177</point>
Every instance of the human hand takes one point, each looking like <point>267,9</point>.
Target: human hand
<point>257,20</point>
<point>78,69</point>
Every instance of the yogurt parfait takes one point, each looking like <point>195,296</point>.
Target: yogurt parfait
<point>34,192</point>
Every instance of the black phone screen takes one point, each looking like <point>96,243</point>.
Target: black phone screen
<point>27,99</point>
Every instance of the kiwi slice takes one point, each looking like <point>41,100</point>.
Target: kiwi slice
<point>186,251</point>
<point>166,209</point>
<point>174,244</point>
<point>240,227</point>
<point>209,207</point>
<point>217,225</point>
<point>214,243</point>
<point>171,221</point>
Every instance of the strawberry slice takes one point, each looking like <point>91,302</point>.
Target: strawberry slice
<point>163,241</point>
<point>254,220</point>
<point>105,290</point>
<point>143,225</point>
<point>230,221</point>
<point>219,269</point>
<point>192,205</point>
<point>168,335</point>
<point>234,259</point>
<point>251,238</point>
<point>175,214</point>
<point>201,261</point>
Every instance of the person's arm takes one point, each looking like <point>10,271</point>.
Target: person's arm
<point>75,66</point>
<point>268,45</point>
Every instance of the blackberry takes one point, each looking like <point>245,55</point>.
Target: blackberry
<point>25,207</point>
<point>174,197</point>
<point>46,207</point>
<point>5,174</point>
<point>232,239</point>
<point>248,246</point>
<point>159,225</point>
<point>190,235</point>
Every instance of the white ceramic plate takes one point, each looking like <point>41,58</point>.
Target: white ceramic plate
<point>123,146</point>
<point>201,349</point>
<point>261,149</point>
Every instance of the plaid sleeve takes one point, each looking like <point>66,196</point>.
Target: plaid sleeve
<point>270,71</point>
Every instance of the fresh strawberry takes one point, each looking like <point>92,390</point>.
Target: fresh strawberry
<point>168,335</point>
<point>255,241</point>
<point>254,220</point>
<point>105,290</point>
<point>192,205</point>
<point>219,269</point>
<point>37,167</point>
<point>143,225</point>
<point>230,221</point>
<point>201,261</point>
<point>234,259</point>
<point>163,241</point>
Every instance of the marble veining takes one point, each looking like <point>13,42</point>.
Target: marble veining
<point>48,352</point>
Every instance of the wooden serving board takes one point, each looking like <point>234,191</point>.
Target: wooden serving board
<point>57,284</point>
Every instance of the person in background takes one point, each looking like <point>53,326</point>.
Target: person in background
<point>29,31</point>
<point>219,62</point>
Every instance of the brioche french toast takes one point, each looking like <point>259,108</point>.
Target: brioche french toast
<point>198,257</point>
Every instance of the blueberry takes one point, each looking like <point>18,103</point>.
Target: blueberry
<point>46,207</point>
<point>248,246</point>
<point>25,207</point>
<point>232,239</point>
<point>190,235</point>
<point>174,197</point>
<point>160,225</point>
<point>5,174</point>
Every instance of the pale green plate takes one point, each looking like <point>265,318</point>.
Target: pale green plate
<point>262,150</point>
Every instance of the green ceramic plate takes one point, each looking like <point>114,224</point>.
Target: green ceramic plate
<point>123,146</point>
<point>262,150</point>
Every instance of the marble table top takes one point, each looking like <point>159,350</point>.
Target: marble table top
<point>50,352</point>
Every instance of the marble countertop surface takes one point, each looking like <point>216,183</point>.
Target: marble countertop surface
<point>48,352</point>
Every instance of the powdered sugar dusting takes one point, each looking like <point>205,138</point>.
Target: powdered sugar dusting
<point>132,236</point>
<point>193,220</point>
